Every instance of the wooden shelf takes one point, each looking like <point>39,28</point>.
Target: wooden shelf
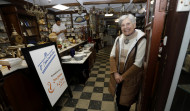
<point>24,23</point>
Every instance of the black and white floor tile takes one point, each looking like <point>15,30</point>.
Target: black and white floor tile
<point>94,95</point>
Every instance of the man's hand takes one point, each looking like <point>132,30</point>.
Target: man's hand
<point>61,31</point>
<point>65,31</point>
<point>118,78</point>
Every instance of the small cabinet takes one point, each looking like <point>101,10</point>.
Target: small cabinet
<point>25,25</point>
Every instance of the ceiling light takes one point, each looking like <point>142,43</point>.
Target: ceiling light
<point>116,20</point>
<point>152,2</point>
<point>111,14</point>
<point>60,7</point>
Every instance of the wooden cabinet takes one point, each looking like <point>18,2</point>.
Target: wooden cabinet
<point>25,25</point>
<point>20,92</point>
<point>78,73</point>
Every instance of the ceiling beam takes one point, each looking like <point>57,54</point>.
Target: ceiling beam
<point>68,4</point>
<point>67,12</point>
<point>113,2</point>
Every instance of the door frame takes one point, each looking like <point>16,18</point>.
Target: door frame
<point>180,61</point>
<point>155,30</point>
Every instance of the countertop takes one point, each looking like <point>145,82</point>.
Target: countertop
<point>6,71</point>
<point>73,61</point>
<point>69,47</point>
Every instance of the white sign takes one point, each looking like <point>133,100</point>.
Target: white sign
<point>49,69</point>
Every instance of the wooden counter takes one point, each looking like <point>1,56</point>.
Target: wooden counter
<point>65,51</point>
<point>77,72</point>
<point>24,65</point>
<point>19,90</point>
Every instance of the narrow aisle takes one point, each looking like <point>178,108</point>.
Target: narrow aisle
<point>94,96</point>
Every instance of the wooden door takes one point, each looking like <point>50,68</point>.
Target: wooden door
<point>154,29</point>
<point>174,30</point>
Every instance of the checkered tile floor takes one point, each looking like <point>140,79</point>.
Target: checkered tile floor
<point>94,95</point>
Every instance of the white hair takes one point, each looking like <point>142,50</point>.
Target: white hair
<point>131,17</point>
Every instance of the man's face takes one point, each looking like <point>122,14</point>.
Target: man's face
<point>58,23</point>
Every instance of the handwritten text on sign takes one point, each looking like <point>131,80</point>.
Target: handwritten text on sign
<point>48,57</point>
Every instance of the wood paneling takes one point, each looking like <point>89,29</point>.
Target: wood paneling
<point>22,92</point>
<point>163,4</point>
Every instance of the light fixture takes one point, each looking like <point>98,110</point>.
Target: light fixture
<point>152,2</point>
<point>108,14</point>
<point>35,10</point>
<point>60,7</point>
<point>108,11</point>
<point>116,20</point>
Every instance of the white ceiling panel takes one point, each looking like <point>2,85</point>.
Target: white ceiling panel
<point>51,2</point>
